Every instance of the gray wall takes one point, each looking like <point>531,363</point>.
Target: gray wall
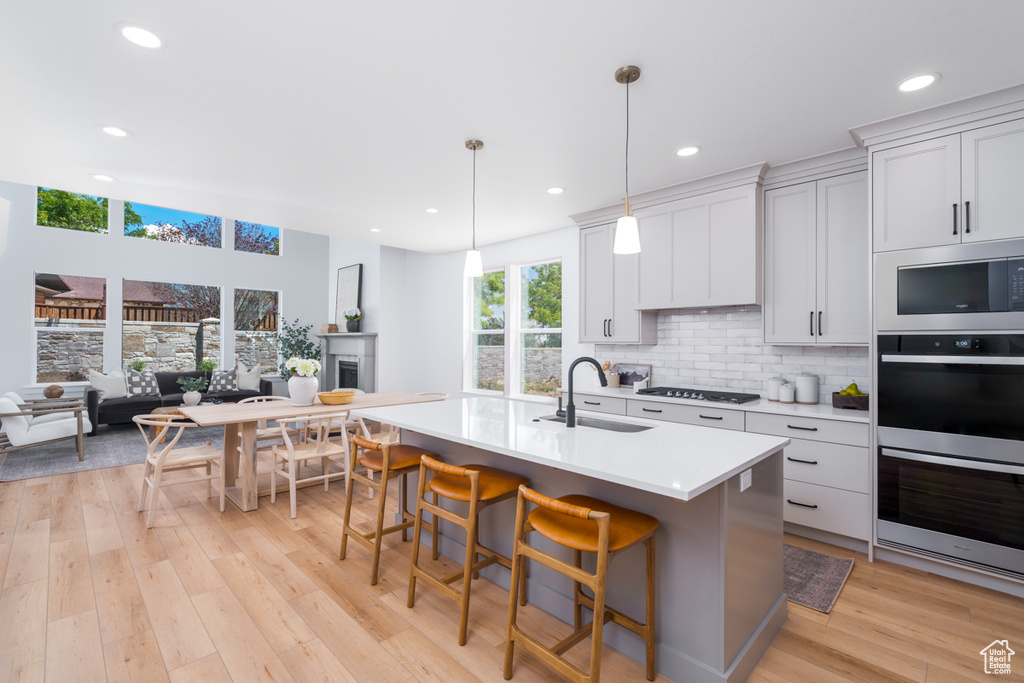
<point>298,273</point>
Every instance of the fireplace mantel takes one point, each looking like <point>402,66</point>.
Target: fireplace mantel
<point>357,347</point>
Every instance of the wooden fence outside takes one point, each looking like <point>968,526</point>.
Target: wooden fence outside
<point>149,314</point>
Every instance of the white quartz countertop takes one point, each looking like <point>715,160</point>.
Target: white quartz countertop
<point>676,460</point>
<point>762,405</point>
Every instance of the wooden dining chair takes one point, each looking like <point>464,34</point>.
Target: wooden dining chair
<point>317,445</point>
<point>264,430</point>
<point>163,456</point>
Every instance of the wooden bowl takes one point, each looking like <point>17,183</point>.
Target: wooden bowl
<point>851,402</point>
<point>336,398</point>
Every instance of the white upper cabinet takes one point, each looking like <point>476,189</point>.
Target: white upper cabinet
<point>993,182</point>
<point>816,262</point>
<point>701,251</point>
<point>608,293</point>
<point>957,188</point>
<point>916,195</point>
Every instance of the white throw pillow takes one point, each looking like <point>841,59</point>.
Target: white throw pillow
<point>108,386</point>
<point>248,380</point>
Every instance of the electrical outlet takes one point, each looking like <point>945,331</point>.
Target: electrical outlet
<point>746,479</point>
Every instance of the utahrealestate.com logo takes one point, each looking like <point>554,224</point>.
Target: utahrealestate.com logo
<point>997,657</point>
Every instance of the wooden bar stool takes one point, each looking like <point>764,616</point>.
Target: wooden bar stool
<point>583,524</point>
<point>391,461</point>
<point>478,485</point>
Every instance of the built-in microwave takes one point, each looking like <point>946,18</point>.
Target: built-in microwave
<point>959,287</point>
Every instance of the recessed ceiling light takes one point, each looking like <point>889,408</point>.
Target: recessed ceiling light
<point>917,82</point>
<point>140,36</point>
<point>556,190</point>
<point>688,151</point>
<point>431,210</point>
<point>116,132</point>
<point>104,177</point>
<point>374,229</point>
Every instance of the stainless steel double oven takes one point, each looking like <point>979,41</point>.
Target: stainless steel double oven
<point>950,403</point>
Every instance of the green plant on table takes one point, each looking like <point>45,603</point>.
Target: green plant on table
<point>188,384</point>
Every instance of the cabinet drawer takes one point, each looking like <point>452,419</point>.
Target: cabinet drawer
<point>694,415</point>
<point>828,464</point>
<point>826,508</point>
<point>813,429</point>
<point>600,404</point>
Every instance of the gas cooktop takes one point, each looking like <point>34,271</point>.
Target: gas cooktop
<point>700,394</point>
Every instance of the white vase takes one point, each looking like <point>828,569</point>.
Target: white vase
<point>191,398</point>
<point>303,390</point>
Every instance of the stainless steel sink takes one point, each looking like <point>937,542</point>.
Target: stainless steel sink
<point>595,423</point>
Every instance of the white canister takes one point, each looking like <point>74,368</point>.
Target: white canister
<point>774,384</point>
<point>787,393</point>
<point>807,388</point>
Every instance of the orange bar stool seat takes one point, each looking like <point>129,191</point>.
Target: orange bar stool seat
<point>584,524</point>
<point>391,461</point>
<point>478,485</point>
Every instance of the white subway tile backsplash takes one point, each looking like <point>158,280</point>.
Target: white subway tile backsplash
<point>723,349</point>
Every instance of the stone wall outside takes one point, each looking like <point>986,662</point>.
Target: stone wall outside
<point>67,356</point>
<point>542,365</point>
<point>257,347</point>
<point>167,346</point>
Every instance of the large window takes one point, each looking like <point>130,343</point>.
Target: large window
<point>171,225</point>
<point>70,319</point>
<point>256,319</point>
<point>60,209</point>
<point>169,326</point>
<point>521,353</point>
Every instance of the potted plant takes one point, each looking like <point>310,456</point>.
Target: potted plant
<point>352,316</point>
<point>192,386</point>
<point>207,365</point>
<point>303,385</point>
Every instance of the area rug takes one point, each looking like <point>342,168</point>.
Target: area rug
<point>113,445</point>
<point>814,579</point>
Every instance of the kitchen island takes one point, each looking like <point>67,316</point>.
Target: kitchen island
<point>719,548</point>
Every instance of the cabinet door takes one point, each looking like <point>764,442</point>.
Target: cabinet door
<point>916,195</point>
<point>655,260</point>
<point>842,259</point>
<point>624,324</point>
<point>596,283</point>
<point>993,175</point>
<point>789,239</point>
<point>733,232</point>
<point>690,261</point>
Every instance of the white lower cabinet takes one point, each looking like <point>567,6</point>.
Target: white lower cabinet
<point>705,417</point>
<point>826,471</point>
<point>600,404</point>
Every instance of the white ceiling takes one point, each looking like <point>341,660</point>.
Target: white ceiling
<point>337,117</point>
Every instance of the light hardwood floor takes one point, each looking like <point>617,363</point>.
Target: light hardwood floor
<point>89,594</point>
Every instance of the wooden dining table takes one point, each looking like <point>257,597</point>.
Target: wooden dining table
<point>240,421</point>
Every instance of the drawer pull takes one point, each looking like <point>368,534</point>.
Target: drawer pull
<point>712,417</point>
<point>803,505</point>
<point>592,403</point>
<point>806,462</point>
<point>806,429</point>
<point>652,410</point>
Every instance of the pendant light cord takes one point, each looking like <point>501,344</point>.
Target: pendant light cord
<point>627,147</point>
<point>474,200</point>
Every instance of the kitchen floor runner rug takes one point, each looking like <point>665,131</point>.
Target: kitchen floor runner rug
<point>814,579</point>
<point>113,445</point>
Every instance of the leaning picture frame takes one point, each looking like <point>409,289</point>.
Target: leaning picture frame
<point>350,291</point>
<point>630,373</point>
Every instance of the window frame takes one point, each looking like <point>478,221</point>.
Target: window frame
<point>513,331</point>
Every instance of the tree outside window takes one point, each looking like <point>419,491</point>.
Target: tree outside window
<point>172,225</point>
<point>257,239</point>
<point>488,332</point>
<point>540,309</point>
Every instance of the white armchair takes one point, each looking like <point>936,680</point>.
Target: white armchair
<point>24,424</point>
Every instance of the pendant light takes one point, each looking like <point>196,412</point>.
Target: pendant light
<point>474,264</point>
<point>627,231</point>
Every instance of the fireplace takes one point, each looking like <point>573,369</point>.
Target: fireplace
<point>348,374</point>
<point>349,361</point>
